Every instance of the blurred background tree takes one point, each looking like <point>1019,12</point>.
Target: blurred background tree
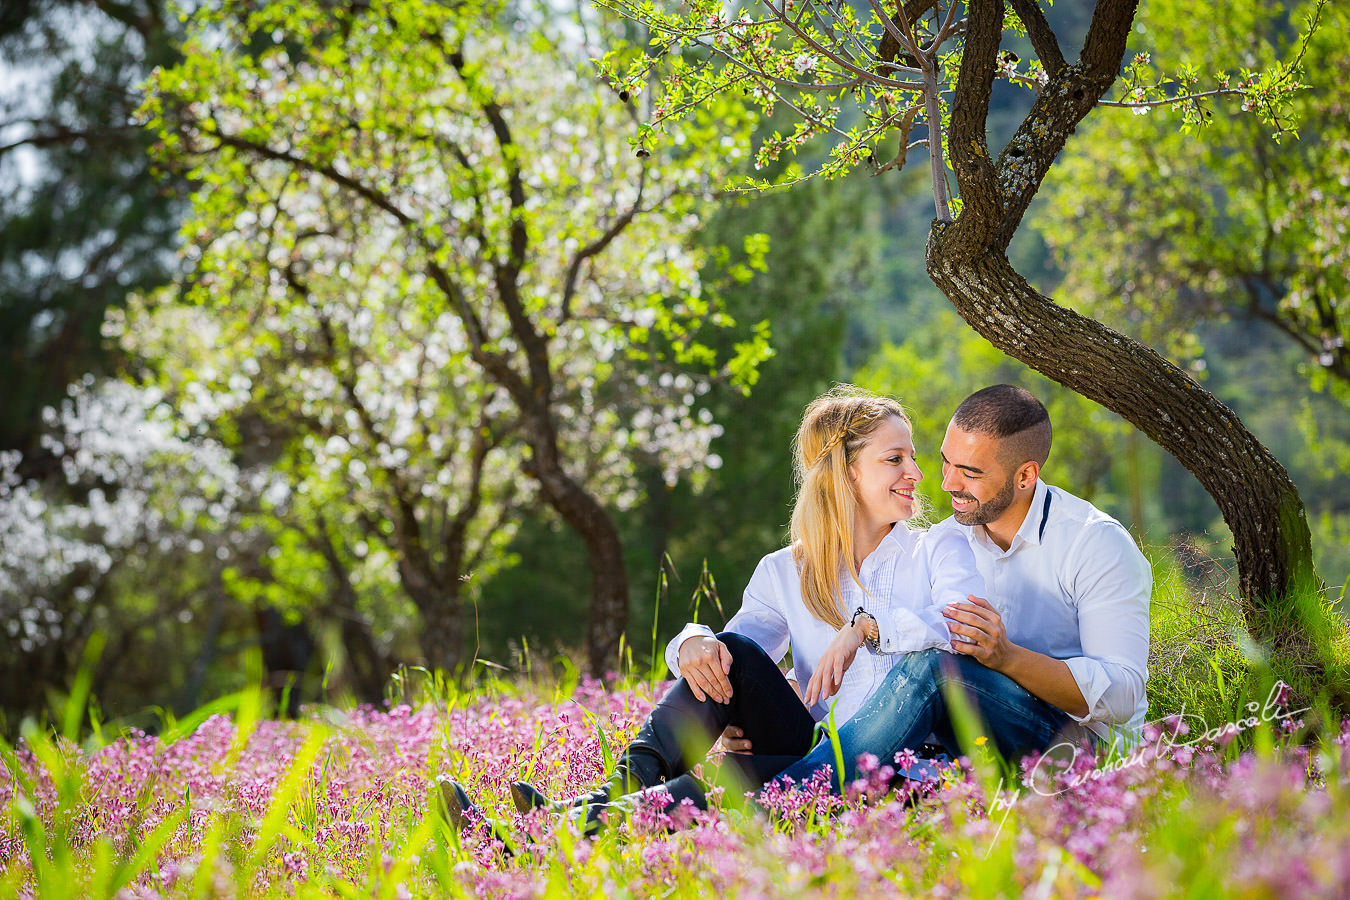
<point>458,270</point>
<point>86,220</point>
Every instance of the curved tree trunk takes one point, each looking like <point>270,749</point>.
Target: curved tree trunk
<point>966,260</point>
<point>1253,491</point>
<point>533,389</point>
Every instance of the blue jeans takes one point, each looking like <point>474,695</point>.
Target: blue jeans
<point>910,704</point>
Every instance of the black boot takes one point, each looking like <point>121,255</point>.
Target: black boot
<point>527,797</point>
<point>635,772</point>
<point>591,818</point>
<point>457,807</point>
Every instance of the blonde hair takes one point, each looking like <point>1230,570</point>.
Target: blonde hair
<point>834,428</point>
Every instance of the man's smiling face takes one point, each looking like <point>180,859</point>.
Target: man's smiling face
<point>980,484</point>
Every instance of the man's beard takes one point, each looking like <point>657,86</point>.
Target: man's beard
<point>989,510</point>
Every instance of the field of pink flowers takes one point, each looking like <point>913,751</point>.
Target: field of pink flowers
<point>345,803</point>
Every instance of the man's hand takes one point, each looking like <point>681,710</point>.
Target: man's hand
<point>982,626</point>
<point>834,662</point>
<point>1044,676</point>
<point>704,663</point>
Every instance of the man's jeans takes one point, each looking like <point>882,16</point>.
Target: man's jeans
<point>910,704</point>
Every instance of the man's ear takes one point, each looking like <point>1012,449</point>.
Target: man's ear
<point>1027,474</point>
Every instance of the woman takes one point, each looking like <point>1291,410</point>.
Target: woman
<point>853,576</point>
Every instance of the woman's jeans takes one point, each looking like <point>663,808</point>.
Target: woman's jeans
<point>911,704</point>
<point>681,729</point>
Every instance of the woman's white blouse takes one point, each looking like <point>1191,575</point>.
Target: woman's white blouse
<point>909,578</point>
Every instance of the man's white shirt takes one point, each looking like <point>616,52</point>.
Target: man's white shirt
<point>909,578</point>
<point>1074,586</point>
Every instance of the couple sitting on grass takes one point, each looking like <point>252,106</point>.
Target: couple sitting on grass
<point>1028,601</point>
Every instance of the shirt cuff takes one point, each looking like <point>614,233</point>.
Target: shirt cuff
<point>901,631</point>
<point>1093,683</point>
<point>693,629</point>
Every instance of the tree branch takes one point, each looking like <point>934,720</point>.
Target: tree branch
<point>410,530</point>
<point>497,365</point>
<point>970,112</point>
<point>945,30</point>
<point>597,246</point>
<point>65,136</point>
<point>1168,101</point>
<point>1068,96</point>
<point>507,273</point>
<point>906,125</point>
<point>1041,34</point>
<point>1104,46</point>
<point>837,59</point>
<point>1340,360</point>
<point>899,33</point>
<point>484,440</point>
<point>505,510</point>
<point>376,198</point>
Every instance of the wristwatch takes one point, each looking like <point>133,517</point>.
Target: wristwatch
<point>872,636</point>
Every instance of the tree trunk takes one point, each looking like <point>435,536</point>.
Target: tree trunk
<point>966,260</point>
<point>287,648</point>
<point>439,602</point>
<point>1253,491</point>
<point>608,618</point>
<point>604,551</point>
<point>442,637</point>
<point>368,666</point>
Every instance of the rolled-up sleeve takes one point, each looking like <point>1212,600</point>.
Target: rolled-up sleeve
<point>906,631</point>
<point>1112,690</point>
<point>947,574</point>
<point>1112,586</point>
<point>760,619</point>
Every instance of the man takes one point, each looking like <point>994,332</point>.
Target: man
<point>1059,645</point>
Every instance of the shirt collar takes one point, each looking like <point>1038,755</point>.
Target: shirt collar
<point>1038,516</point>
<point>892,543</point>
<point>1030,531</point>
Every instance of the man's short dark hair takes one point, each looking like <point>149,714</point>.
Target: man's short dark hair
<point>1014,416</point>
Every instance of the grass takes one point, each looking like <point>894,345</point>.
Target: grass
<point>229,802</point>
<point>1203,661</point>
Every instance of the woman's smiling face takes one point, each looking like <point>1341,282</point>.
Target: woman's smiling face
<point>885,473</point>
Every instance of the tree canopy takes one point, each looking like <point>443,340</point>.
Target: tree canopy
<point>1163,227</point>
<point>436,265</point>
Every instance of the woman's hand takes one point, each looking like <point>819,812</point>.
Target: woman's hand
<point>834,662</point>
<point>733,740</point>
<point>704,664</point>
